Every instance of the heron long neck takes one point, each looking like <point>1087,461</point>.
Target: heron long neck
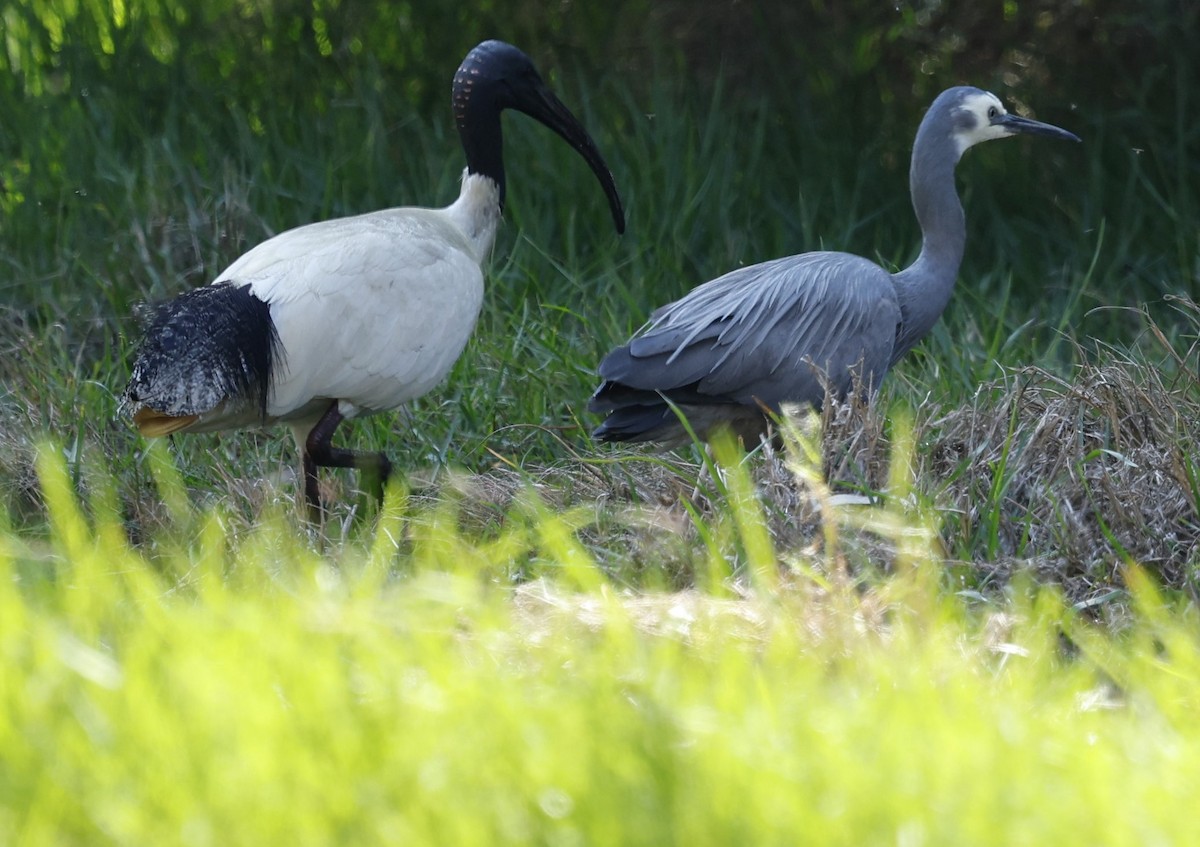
<point>924,287</point>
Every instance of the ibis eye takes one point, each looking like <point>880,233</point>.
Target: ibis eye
<point>992,112</point>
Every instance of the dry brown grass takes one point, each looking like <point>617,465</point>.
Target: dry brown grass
<point>1085,475</point>
<point>1067,479</point>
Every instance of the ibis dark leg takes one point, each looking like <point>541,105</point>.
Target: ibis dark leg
<point>319,452</point>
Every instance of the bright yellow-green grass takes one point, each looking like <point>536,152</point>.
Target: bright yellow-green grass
<point>208,690</point>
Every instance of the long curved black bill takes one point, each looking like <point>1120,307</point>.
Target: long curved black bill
<point>542,105</point>
<point>1016,123</point>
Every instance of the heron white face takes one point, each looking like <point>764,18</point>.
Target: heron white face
<point>975,120</point>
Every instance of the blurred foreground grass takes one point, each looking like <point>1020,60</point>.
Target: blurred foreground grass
<point>223,688</point>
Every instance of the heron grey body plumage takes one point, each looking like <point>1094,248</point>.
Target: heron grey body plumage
<point>739,347</point>
<point>748,338</point>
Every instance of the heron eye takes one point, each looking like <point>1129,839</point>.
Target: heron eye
<point>992,112</point>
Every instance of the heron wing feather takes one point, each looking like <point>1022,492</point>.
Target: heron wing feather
<point>767,332</point>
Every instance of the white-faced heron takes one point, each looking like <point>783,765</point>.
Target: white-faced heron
<point>775,333</point>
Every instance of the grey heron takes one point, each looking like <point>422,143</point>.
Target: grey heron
<point>353,316</point>
<point>744,344</point>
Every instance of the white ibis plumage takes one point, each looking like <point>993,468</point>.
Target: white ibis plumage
<point>353,316</point>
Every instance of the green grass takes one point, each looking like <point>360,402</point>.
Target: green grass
<point>1060,234</point>
<point>150,221</point>
<point>245,689</point>
<point>537,640</point>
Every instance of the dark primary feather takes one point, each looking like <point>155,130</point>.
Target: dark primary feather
<point>211,345</point>
<point>751,340</point>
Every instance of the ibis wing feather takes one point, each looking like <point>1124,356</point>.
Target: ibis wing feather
<point>213,350</point>
<point>393,307</point>
<point>321,258</point>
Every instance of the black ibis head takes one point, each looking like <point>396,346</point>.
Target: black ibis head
<point>496,76</point>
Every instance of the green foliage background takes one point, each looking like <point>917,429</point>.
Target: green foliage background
<point>350,92</point>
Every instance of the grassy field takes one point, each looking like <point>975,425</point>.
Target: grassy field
<point>1068,262</point>
<point>537,640</point>
<point>245,690</point>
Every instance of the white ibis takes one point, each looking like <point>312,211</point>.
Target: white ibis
<point>761,336</point>
<point>353,316</point>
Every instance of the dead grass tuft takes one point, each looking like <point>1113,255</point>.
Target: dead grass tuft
<point>1068,479</point>
<point>1076,479</point>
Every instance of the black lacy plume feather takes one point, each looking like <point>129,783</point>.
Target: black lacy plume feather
<point>211,345</point>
